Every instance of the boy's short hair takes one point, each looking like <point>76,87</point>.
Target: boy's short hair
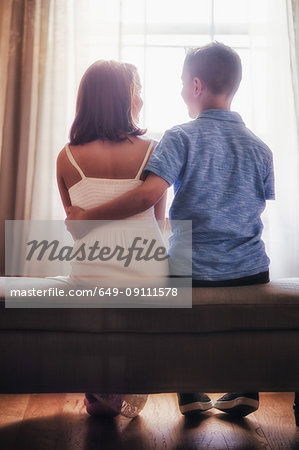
<point>217,65</point>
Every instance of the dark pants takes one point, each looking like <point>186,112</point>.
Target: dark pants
<point>259,278</point>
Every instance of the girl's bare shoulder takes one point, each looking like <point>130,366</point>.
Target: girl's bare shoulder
<point>61,157</point>
<point>145,141</point>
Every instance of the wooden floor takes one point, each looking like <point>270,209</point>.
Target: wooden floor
<point>59,422</point>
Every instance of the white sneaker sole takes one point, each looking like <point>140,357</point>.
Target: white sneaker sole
<point>240,401</point>
<point>196,406</point>
<point>239,407</point>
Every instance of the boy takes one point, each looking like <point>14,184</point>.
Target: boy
<point>222,175</point>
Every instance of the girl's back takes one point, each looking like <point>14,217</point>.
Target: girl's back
<point>108,160</point>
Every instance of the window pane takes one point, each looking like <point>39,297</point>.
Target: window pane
<point>234,40</point>
<point>163,104</point>
<point>231,11</point>
<point>132,11</point>
<point>187,11</point>
<point>182,40</point>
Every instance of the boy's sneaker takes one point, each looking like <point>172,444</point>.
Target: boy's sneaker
<point>238,403</point>
<point>194,403</point>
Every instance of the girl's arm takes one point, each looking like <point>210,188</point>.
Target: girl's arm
<point>64,194</point>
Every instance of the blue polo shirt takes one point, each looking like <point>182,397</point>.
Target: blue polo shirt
<point>222,175</point>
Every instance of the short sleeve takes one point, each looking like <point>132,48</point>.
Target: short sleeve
<point>269,181</point>
<point>168,157</point>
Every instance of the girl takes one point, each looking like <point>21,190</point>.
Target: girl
<point>105,157</point>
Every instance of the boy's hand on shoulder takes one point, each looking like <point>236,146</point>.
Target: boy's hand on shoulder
<point>77,229</point>
<point>75,213</point>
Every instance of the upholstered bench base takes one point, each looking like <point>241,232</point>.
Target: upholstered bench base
<point>233,339</point>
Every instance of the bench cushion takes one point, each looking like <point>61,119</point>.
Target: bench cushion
<point>272,306</point>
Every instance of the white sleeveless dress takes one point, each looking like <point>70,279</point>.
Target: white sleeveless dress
<point>88,193</point>
<point>143,228</point>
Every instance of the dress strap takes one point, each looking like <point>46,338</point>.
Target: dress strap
<point>72,160</point>
<point>144,160</point>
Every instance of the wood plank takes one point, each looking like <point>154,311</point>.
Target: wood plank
<point>240,432</point>
<point>276,421</point>
<point>60,422</point>
<point>39,428</point>
<point>12,409</point>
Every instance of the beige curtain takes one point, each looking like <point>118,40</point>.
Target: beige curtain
<point>293,26</point>
<point>45,46</point>
<point>23,37</point>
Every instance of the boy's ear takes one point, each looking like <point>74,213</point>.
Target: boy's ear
<point>197,86</point>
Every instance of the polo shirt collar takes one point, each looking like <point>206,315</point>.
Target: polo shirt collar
<point>221,114</point>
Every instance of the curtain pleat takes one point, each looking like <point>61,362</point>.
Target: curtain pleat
<point>293,25</point>
<point>23,34</point>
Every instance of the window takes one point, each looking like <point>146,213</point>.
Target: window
<point>155,35</point>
